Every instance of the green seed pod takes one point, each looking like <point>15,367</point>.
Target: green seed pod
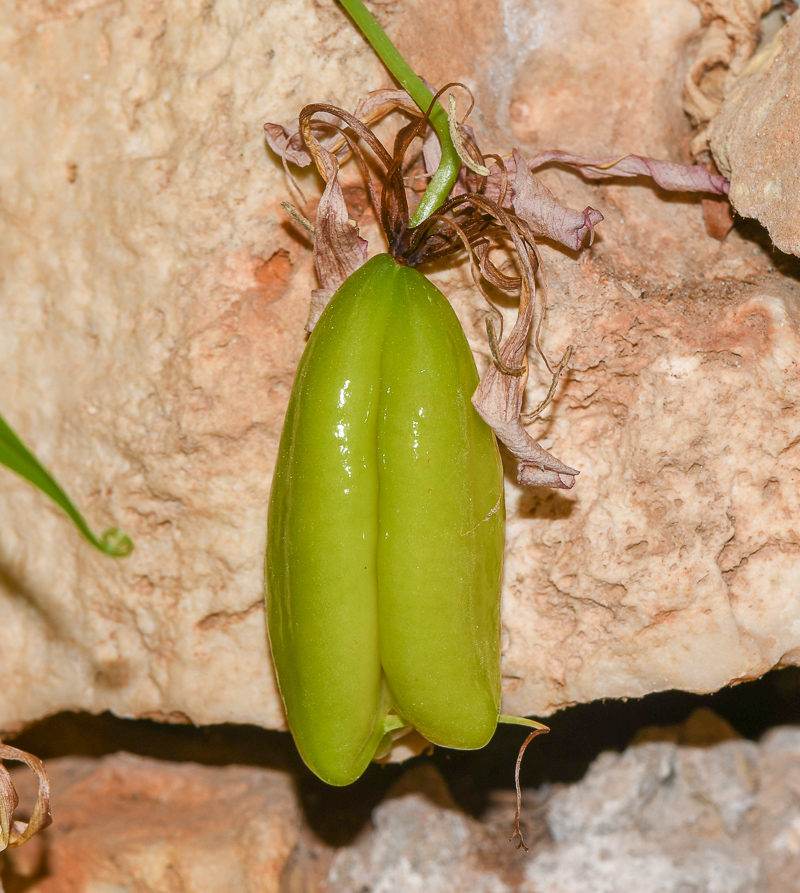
<point>386,531</point>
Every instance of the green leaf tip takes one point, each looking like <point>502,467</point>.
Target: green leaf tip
<point>16,456</point>
<point>116,543</point>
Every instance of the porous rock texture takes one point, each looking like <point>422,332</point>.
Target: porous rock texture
<point>755,138</point>
<point>659,818</point>
<point>154,300</point>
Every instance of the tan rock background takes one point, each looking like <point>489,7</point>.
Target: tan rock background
<point>755,138</point>
<point>154,301</point>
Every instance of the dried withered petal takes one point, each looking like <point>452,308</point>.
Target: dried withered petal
<point>477,214</point>
<point>288,144</point>
<point>718,217</point>
<point>380,103</point>
<point>545,215</point>
<point>732,30</point>
<point>8,803</point>
<point>498,401</point>
<point>291,146</point>
<point>338,248</point>
<point>668,175</point>
<point>13,833</point>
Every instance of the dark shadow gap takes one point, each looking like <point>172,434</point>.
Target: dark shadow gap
<point>578,735</point>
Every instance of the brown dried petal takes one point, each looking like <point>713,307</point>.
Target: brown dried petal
<point>667,174</point>
<point>498,401</point>
<point>319,301</point>
<point>431,151</point>
<point>8,803</point>
<point>380,103</point>
<point>288,145</point>
<point>16,833</point>
<point>545,215</point>
<point>338,248</point>
<point>494,181</point>
<point>731,35</point>
<point>718,217</point>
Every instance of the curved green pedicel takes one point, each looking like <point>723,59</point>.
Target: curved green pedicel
<point>386,530</point>
<point>446,174</point>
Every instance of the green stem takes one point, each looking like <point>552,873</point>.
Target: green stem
<point>447,173</point>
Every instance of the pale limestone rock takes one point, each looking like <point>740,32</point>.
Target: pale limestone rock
<point>656,819</point>
<point>660,818</point>
<point>154,306</point>
<point>418,841</point>
<point>675,561</point>
<point>155,300</point>
<point>755,138</point>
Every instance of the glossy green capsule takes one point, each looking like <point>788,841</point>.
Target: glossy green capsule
<point>386,531</point>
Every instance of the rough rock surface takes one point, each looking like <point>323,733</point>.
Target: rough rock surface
<point>154,302</point>
<point>659,818</point>
<point>754,138</point>
<point>128,823</point>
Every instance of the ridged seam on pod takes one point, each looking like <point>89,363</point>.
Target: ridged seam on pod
<point>386,531</point>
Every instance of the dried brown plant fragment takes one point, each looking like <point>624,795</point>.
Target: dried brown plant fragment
<point>487,206</point>
<point>732,29</point>
<point>15,833</point>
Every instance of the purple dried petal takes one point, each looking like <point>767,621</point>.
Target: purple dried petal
<point>338,248</point>
<point>498,401</point>
<point>288,145</point>
<point>667,174</point>
<point>531,476</point>
<point>545,215</point>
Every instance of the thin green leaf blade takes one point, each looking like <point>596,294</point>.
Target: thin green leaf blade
<point>16,456</point>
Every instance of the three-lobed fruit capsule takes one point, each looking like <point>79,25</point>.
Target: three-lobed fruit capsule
<point>385,531</point>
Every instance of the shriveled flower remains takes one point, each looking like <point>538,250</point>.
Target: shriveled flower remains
<point>496,200</point>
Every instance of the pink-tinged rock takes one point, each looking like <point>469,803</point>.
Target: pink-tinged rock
<point>755,138</point>
<point>130,823</point>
